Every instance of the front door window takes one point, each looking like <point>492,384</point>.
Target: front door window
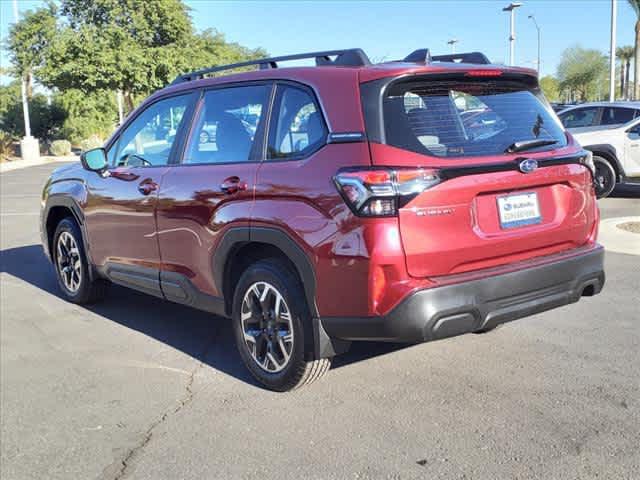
<point>149,139</point>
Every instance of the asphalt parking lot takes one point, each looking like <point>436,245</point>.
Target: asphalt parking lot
<point>139,388</point>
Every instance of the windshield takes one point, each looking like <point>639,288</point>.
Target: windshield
<point>468,118</point>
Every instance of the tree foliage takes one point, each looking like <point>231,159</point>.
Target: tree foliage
<point>29,40</point>
<point>550,87</point>
<point>135,46</point>
<point>583,72</point>
<point>88,114</point>
<point>625,54</point>
<point>86,50</point>
<point>9,95</point>
<point>72,115</point>
<point>46,119</point>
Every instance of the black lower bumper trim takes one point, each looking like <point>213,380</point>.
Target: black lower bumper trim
<point>478,304</point>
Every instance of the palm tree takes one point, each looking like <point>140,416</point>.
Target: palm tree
<point>625,54</point>
<point>635,4</point>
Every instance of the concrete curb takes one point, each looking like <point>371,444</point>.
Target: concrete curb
<point>17,164</point>
<point>618,240</point>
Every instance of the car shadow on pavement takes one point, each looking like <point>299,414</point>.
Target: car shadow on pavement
<point>201,335</point>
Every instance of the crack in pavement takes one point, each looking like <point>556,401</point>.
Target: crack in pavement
<point>129,457</point>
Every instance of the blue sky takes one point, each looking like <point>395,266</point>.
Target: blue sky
<point>391,29</point>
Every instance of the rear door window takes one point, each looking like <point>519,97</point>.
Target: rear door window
<point>617,115</point>
<point>466,118</point>
<point>580,117</point>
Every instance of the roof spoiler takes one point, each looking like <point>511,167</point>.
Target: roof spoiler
<point>423,55</point>
<point>353,57</point>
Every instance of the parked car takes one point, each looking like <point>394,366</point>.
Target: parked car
<point>558,107</point>
<point>479,123</point>
<point>611,131</point>
<point>361,209</point>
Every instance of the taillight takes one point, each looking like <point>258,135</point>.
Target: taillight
<point>381,192</point>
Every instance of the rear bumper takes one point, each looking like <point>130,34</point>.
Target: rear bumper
<point>478,304</point>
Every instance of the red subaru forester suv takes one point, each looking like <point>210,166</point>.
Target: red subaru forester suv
<point>405,201</point>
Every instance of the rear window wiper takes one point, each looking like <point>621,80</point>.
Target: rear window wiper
<point>528,145</point>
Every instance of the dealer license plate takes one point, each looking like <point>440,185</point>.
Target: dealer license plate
<point>519,210</point>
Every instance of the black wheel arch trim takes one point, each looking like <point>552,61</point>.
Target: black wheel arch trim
<point>238,236</point>
<point>70,203</point>
<point>61,200</point>
<point>608,151</point>
<point>323,345</point>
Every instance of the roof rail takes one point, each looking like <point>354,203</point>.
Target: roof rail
<point>419,56</point>
<point>424,56</point>
<point>353,57</point>
<point>470,57</point>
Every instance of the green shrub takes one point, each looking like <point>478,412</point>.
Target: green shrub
<point>46,120</point>
<point>6,145</point>
<point>94,141</point>
<point>60,148</point>
<point>72,115</point>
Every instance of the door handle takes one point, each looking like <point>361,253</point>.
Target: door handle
<point>232,185</point>
<point>147,186</point>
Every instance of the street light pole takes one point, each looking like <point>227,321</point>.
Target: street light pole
<point>453,42</point>
<point>25,105</point>
<point>511,8</point>
<point>29,147</point>
<point>537,28</point>
<point>612,53</point>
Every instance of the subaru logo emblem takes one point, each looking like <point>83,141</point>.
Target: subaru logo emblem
<point>528,165</point>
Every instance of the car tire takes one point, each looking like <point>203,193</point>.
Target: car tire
<point>272,327</point>
<point>604,178</point>
<point>71,265</point>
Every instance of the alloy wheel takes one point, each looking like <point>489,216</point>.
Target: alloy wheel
<point>267,327</point>
<point>602,177</point>
<point>69,262</point>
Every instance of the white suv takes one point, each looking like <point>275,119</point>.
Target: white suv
<point>612,132</point>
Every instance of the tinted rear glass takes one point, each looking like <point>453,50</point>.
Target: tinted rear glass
<point>467,118</point>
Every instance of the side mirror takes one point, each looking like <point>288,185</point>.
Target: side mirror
<point>94,160</point>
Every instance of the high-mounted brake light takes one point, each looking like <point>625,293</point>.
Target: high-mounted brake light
<point>484,73</point>
<point>380,192</point>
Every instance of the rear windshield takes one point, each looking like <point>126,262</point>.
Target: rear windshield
<point>467,118</point>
